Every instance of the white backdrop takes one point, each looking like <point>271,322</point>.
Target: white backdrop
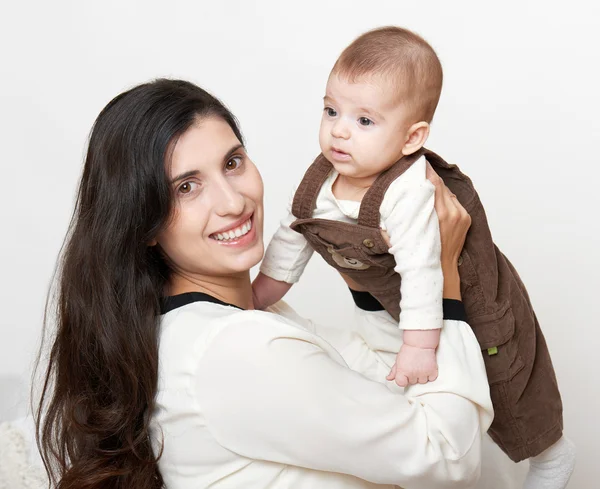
<point>519,113</point>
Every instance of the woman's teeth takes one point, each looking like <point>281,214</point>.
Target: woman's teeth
<point>234,233</point>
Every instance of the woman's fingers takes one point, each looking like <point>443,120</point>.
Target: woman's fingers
<point>432,176</point>
<point>438,183</point>
<point>443,203</point>
<point>446,202</point>
<point>454,219</point>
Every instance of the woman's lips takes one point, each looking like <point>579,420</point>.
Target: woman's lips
<point>240,236</point>
<point>235,225</point>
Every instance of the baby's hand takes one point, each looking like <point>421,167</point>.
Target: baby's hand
<point>414,365</point>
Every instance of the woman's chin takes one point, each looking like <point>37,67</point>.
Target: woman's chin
<point>249,258</point>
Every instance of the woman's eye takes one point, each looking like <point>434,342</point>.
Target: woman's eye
<point>234,163</point>
<point>186,188</point>
<point>365,121</point>
<point>330,112</point>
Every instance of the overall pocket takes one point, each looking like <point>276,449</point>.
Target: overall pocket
<point>495,333</point>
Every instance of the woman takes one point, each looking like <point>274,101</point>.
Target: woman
<point>169,221</point>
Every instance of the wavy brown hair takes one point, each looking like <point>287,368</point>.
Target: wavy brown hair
<point>99,388</point>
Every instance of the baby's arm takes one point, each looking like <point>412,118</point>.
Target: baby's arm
<point>266,291</point>
<point>283,265</point>
<point>412,225</point>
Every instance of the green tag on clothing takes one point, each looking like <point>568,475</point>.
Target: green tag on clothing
<point>493,350</point>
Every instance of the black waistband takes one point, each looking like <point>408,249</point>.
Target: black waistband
<point>452,308</point>
<point>366,301</point>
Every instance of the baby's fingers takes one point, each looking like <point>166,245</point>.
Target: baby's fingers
<point>392,374</point>
<point>402,380</point>
<point>412,379</point>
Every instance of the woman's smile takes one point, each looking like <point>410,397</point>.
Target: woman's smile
<point>237,235</point>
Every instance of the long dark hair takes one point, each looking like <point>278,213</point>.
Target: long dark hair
<point>101,380</point>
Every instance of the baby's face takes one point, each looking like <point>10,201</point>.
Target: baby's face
<point>363,128</point>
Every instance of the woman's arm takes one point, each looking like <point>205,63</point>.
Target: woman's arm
<point>270,390</point>
<point>333,419</point>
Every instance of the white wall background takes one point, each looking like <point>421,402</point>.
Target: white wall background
<point>519,113</point>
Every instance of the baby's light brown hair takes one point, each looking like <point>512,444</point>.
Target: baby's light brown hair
<point>401,56</point>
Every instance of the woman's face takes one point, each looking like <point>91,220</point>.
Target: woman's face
<point>217,223</point>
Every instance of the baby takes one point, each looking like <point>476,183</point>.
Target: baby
<point>377,109</point>
<point>367,207</point>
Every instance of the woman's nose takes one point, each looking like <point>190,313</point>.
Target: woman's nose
<point>229,200</point>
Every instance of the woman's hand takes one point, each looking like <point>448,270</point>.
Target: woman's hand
<point>454,224</point>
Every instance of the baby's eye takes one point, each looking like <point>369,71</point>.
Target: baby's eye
<point>330,112</point>
<point>364,121</point>
<point>234,163</point>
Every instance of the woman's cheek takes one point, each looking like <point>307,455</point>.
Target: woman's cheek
<point>254,184</point>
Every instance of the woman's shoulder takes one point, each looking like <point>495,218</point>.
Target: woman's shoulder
<point>214,315</point>
<point>189,330</point>
<point>285,312</point>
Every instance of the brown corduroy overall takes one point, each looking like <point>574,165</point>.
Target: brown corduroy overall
<point>524,391</point>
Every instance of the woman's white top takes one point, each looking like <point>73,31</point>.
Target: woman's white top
<point>256,400</point>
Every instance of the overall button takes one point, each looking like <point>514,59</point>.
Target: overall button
<point>368,243</point>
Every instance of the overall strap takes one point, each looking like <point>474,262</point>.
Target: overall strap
<point>436,160</point>
<point>305,198</point>
<point>371,202</point>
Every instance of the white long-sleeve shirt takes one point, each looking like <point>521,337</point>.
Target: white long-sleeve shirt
<point>258,400</point>
<point>408,215</point>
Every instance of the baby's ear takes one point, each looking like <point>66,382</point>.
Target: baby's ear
<point>416,137</point>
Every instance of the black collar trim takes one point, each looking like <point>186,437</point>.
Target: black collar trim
<point>170,303</point>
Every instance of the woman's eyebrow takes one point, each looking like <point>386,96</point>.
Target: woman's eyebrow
<point>192,173</point>
<point>183,175</point>
<point>230,153</point>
